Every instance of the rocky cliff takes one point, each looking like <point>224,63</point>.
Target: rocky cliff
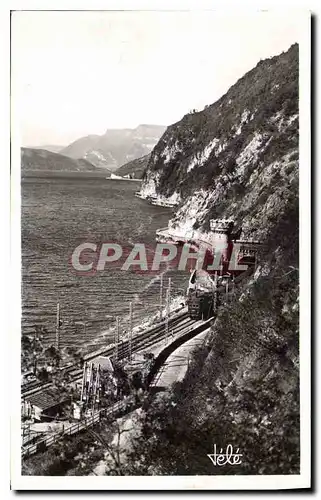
<point>237,158</point>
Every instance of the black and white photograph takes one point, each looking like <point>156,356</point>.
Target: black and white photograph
<point>159,164</point>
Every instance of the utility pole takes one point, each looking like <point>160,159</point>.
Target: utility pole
<point>58,328</point>
<point>168,302</point>
<point>161,298</point>
<point>89,385</point>
<point>130,331</point>
<point>115,343</point>
<point>84,381</point>
<point>117,338</point>
<point>95,389</point>
<point>167,315</point>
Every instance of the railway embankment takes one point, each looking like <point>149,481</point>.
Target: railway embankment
<point>175,366</point>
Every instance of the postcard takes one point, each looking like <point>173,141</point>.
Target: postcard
<point>162,284</point>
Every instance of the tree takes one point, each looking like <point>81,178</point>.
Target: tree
<point>53,355</point>
<point>43,375</point>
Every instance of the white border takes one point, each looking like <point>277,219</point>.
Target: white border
<point>195,483</point>
<point>305,250</point>
<point>5,231</point>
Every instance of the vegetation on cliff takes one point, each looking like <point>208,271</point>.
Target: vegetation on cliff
<point>242,387</point>
<point>237,158</point>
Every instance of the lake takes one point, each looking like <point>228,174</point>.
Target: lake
<point>58,215</point>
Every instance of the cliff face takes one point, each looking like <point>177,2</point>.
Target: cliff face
<point>238,157</point>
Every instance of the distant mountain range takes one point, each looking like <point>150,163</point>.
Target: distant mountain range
<point>116,147</point>
<point>108,152</point>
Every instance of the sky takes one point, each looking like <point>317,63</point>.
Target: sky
<point>81,73</point>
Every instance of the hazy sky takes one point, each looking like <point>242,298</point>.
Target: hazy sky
<point>79,73</point>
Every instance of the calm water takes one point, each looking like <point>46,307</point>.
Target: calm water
<point>58,215</point>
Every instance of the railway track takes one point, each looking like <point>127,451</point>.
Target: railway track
<point>72,371</point>
<point>182,325</point>
<point>144,339</point>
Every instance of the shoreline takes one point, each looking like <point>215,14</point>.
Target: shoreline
<point>48,174</point>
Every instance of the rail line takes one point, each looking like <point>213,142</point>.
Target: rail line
<point>185,327</point>
<point>123,346</point>
<point>142,341</point>
<point>123,350</point>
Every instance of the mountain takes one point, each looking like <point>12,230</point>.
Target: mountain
<point>43,160</point>
<point>117,146</point>
<point>228,160</point>
<point>80,147</point>
<point>134,168</point>
<point>100,160</point>
<point>239,159</point>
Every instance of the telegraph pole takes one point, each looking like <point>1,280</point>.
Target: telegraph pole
<point>58,327</point>
<point>34,345</point>
<point>95,389</point>
<point>168,302</point>
<point>89,390</point>
<point>130,331</point>
<point>117,338</point>
<point>84,381</point>
<point>167,315</point>
<point>115,343</point>
<point>161,298</point>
